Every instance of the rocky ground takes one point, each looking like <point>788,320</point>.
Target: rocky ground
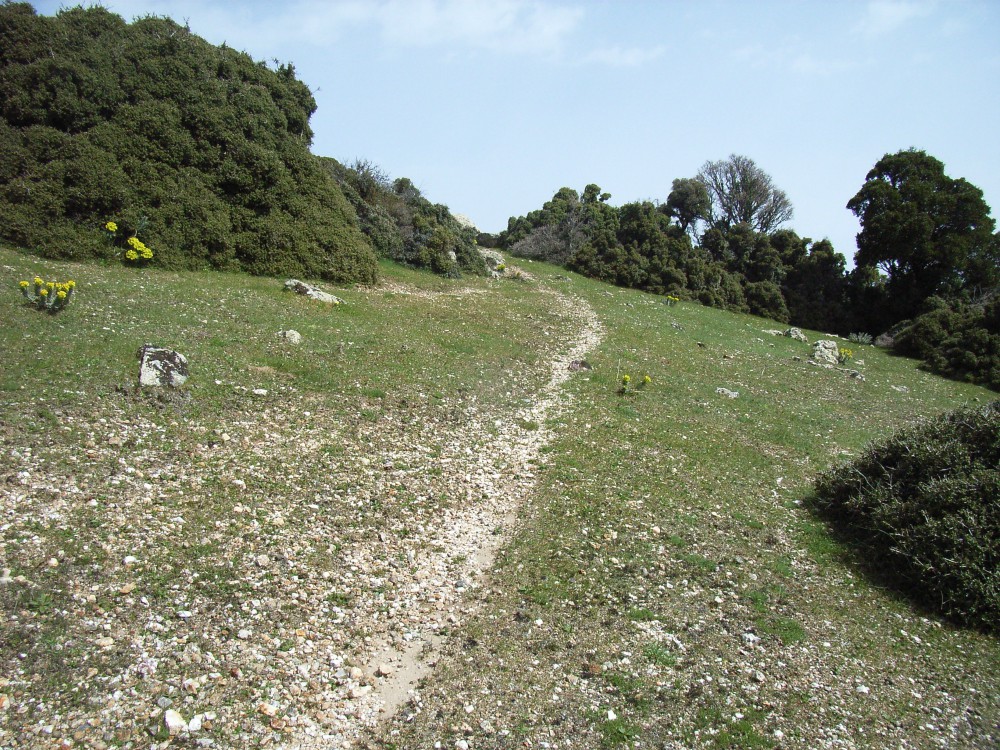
<point>282,578</point>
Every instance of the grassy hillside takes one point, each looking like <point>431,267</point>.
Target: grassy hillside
<point>236,551</point>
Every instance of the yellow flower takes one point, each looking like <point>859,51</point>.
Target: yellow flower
<point>43,291</point>
<point>134,242</point>
<point>111,226</point>
<point>61,294</point>
<point>51,285</point>
<point>626,380</point>
<point>646,379</point>
<point>25,285</point>
<point>38,281</point>
<point>131,254</point>
<point>71,284</point>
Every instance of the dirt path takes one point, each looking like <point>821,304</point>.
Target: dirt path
<point>497,476</point>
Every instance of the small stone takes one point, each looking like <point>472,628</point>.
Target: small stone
<point>359,692</point>
<point>612,715</point>
<point>105,642</point>
<point>184,614</point>
<point>759,677</point>
<point>356,673</point>
<point>291,337</point>
<point>259,391</point>
<point>164,702</point>
<point>128,588</point>
<point>195,724</point>
<point>863,689</point>
<point>267,709</point>
<point>130,560</point>
<point>263,561</point>
<point>53,563</point>
<point>727,393</point>
<point>461,745</point>
<point>384,670</point>
<point>244,634</point>
<point>174,722</point>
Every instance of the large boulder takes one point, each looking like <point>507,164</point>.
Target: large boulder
<point>825,353</point>
<point>301,287</point>
<point>159,367</point>
<point>796,333</point>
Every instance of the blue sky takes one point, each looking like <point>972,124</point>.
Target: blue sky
<point>491,106</point>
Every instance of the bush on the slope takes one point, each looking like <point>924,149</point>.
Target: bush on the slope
<point>403,225</point>
<point>146,123</point>
<point>957,340</point>
<point>924,508</point>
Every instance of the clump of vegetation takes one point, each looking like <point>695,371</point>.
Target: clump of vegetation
<point>51,296</point>
<point>403,225</point>
<point>957,340</point>
<point>101,118</point>
<point>924,509</point>
<point>860,338</point>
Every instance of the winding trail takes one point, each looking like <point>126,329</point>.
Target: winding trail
<point>498,476</point>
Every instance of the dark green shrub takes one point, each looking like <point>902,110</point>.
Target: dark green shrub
<point>960,341</point>
<point>103,120</point>
<point>923,507</point>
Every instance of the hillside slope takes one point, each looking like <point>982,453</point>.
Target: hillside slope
<point>242,552</point>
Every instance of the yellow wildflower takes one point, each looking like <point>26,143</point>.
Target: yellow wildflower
<point>61,294</point>
<point>111,226</point>
<point>43,291</point>
<point>25,285</point>
<point>131,254</point>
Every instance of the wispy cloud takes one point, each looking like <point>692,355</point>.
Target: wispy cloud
<point>625,57</point>
<point>514,26</point>
<point>885,16</point>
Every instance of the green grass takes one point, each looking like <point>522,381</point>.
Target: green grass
<point>734,551</point>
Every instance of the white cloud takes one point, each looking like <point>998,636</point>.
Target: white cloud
<point>885,16</point>
<point>513,26</point>
<point>625,57</point>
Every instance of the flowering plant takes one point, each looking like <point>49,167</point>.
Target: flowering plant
<point>48,295</point>
<point>136,251</point>
<point>628,387</point>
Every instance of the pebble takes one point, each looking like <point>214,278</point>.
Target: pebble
<point>174,721</point>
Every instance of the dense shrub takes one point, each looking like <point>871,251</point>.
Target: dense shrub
<point>924,509</point>
<point>403,225</point>
<point>146,122</point>
<point>956,340</point>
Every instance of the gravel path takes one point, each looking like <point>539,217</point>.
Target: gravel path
<point>281,579</point>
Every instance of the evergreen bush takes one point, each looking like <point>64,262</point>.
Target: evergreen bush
<point>923,507</point>
<point>101,120</point>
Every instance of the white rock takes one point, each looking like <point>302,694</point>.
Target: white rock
<point>863,689</point>
<point>612,715</point>
<point>244,634</point>
<point>130,560</point>
<point>195,724</point>
<point>174,721</point>
<point>260,391</point>
<point>727,393</point>
<point>291,336</point>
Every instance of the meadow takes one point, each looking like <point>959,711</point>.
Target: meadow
<point>633,565</point>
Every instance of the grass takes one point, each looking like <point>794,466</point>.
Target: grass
<point>665,530</point>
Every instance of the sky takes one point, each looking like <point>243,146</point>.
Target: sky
<point>491,106</point>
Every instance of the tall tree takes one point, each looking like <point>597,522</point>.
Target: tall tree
<point>928,233</point>
<point>743,193</point>
<point>688,202</point>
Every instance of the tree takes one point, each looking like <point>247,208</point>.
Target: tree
<point>928,233</point>
<point>743,193</point>
<point>688,202</point>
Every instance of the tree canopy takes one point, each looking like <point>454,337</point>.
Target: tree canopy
<point>928,233</point>
<point>740,192</point>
